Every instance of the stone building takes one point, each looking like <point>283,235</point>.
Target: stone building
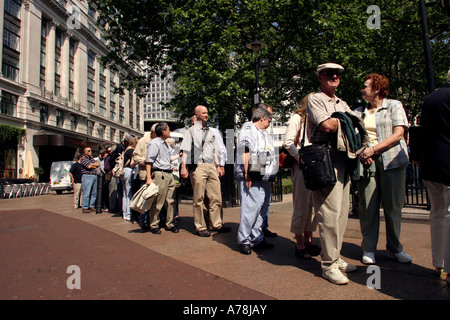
<point>55,95</point>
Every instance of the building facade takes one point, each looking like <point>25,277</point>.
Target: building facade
<point>53,86</point>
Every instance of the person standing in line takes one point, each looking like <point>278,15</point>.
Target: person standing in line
<point>88,181</point>
<point>159,170</point>
<point>332,203</point>
<point>435,164</point>
<point>116,192</point>
<point>304,220</point>
<point>126,179</point>
<point>384,176</point>
<point>266,231</point>
<point>200,146</point>
<point>255,171</point>
<point>75,179</point>
<point>139,157</point>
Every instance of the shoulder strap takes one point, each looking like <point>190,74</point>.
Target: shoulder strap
<point>304,131</point>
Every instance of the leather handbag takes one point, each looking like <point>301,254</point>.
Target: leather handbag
<point>285,160</point>
<point>316,164</point>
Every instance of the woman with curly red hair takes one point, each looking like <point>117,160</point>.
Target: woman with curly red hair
<point>384,169</point>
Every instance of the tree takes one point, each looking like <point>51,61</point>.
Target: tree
<point>202,43</point>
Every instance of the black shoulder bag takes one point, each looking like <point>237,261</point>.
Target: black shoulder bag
<point>315,162</point>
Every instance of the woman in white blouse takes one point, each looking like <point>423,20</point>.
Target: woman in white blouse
<point>304,222</point>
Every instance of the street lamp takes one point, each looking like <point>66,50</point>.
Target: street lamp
<point>257,46</point>
<point>427,49</point>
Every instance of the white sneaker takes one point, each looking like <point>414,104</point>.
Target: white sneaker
<point>368,258</point>
<point>400,257</point>
<point>344,266</point>
<point>334,275</point>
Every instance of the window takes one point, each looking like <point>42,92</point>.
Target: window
<point>43,114</point>
<point>101,131</point>
<point>130,110</point>
<point>90,102</point>
<point>8,103</point>
<point>58,44</point>
<point>91,12</point>
<point>91,59</point>
<point>102,86</point>
<point>91,81</point>
<point>90,127</point>
<point>11,35</point>
<point>121,114</point>
<point>112,134</point>
<point>13,7</point>
<point>44,32</point>
<point>73,122</point>
<point>10,67</point>
<point>102,109</point>
<point>112,110</point>
<point>59,118</point>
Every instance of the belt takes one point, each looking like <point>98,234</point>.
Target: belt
<point>166,171</point>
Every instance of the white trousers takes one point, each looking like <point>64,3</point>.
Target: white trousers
<point>440,224</point>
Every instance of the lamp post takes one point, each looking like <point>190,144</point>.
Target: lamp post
<point>257,46</point>
<point>427,49</point>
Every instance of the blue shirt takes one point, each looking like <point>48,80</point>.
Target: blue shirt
<point>158,154</point>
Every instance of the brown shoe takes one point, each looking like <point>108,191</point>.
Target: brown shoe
<point>86,211</point>
<point>92,209</point>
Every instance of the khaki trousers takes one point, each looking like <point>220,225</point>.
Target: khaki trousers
<point>303,217</point>
<point>205,178</point>
<point>440,224</point>
<point>331,205</point>
<point>76,195</point>
<point>166,185</point>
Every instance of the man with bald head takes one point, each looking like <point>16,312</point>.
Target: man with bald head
<point>204,157</point>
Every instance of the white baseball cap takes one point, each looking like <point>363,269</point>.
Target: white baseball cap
<point>329,66</point>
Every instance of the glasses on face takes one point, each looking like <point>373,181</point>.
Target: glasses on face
<point>89,150</point>
<point>366,86</point>
<point>331,73</point>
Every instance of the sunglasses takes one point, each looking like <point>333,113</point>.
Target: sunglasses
<point>331,72</point>
<point>365,86</point>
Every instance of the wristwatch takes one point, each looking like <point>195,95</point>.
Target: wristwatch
<point>374,150</point>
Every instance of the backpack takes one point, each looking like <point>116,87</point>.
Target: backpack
<point>118,169</point>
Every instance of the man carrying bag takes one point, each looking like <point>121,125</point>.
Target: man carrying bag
<point>331,203</point>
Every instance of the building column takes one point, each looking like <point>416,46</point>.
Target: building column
<point>80,76</point>
<point>50,59</point>
<point>65,66</point>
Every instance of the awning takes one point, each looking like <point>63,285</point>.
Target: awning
<point>48,138</point>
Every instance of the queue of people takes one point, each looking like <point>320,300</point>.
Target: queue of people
<point>378,168</point>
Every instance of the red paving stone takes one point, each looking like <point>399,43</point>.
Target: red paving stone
<point>38,246</point>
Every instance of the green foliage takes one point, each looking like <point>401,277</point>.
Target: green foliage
<point>10,135</point>
<point>203,42</point>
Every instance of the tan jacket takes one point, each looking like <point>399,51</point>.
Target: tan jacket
<point>294,126</point>
<point>140,154</point>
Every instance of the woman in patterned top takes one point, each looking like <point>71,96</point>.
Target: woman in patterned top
<point>385,162</point>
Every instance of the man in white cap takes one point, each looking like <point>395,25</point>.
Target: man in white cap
<point>330,203</point>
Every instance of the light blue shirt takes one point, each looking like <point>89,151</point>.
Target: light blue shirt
<point>158,154</point>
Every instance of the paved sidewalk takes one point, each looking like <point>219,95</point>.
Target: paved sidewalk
<point>40,237</point>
